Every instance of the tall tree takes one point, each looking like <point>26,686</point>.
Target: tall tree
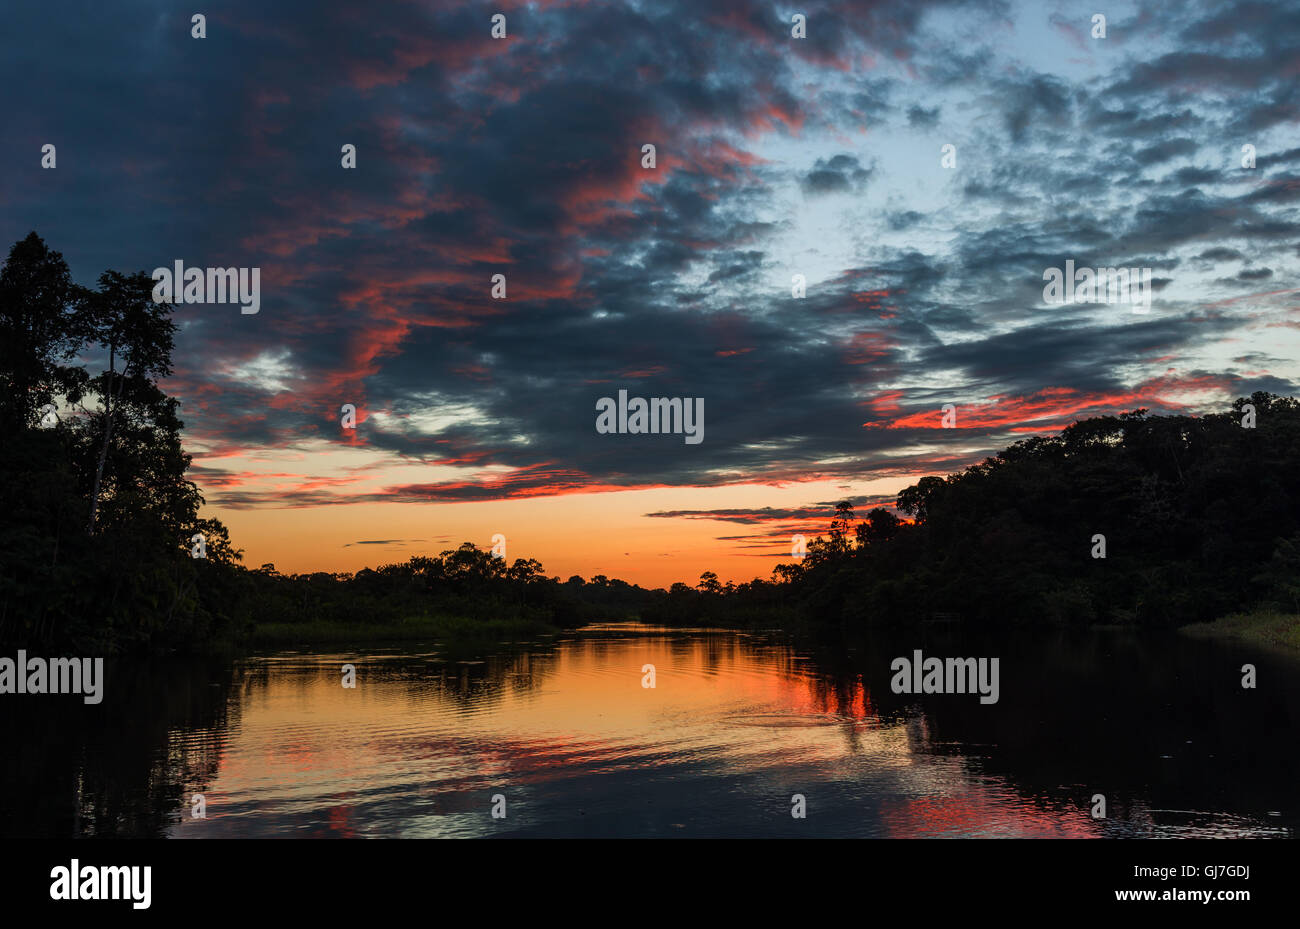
<point>40,332</point>
<point>137,333</point>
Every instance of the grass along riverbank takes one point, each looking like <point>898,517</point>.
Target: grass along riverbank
<point>1258,627</point>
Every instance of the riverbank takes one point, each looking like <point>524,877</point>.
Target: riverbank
<point>1259,627</point>
<point>455,628</point>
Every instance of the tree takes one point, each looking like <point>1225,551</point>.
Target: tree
<point>881,525</point>
<point>526,571</point>
<point>123,318</point>
<point>837,545</point>
<point>916,500</point>
<point>1281,574</point>
<point>95,544</point>
<point>40,332</point>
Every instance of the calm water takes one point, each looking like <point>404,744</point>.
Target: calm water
<point>736,724</point>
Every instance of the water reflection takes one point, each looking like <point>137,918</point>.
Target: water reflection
<point>735,726</point>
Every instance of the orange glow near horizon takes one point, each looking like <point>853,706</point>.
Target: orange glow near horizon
<point>579,533</point>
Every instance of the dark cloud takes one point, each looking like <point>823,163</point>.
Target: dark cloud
<point>1221,253</point>
<point>921,118</point>
<point>839,174</point>
<point>523,157</point>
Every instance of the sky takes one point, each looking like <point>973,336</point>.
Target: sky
<point>775,156</point>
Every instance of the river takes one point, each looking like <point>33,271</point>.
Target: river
<point>562,737</point>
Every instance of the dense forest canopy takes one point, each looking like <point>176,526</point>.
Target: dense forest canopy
<point>1198,516</point>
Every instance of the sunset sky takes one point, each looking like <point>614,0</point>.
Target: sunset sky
<point>776,156</point>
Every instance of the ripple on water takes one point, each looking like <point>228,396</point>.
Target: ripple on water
<point>791,720</point>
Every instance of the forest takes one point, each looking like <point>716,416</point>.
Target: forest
<point>1196,516</point>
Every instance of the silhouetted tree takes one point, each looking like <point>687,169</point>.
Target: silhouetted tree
<point>40,332</point>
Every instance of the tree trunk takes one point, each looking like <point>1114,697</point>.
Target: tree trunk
<point>108,434</point>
